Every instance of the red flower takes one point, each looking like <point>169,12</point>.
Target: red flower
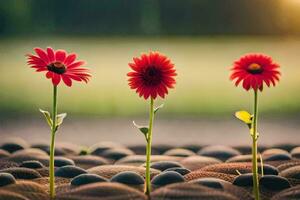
<point>254,70</point>
<point>58,65</point>
<point>152,75</point>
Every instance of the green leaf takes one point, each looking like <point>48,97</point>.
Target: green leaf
<point>157,108</point>
<point>47,117</point>
<point>245,117</point>
<point>60,118</point>
<point>143,129</point>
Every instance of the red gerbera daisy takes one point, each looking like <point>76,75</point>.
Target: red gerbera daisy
<point>152,75</point>
<point>58,65</point>
<point>254,70</point>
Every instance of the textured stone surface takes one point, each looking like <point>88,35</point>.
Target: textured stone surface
<point>22,173</point>
<point>204,174</point>
<point>109,191</point>
<point>232,168</point>
<point>190,191</point>
<point>29,190</point>
<point>288,194</point>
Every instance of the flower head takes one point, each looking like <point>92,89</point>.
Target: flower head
<point>58,65</point>
<point>254,70</point>
<point>153,74</point>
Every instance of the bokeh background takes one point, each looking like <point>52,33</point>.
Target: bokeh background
<point>202,38</point>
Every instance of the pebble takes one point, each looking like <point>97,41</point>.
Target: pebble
<point>161,148</point>
<point>179,152</point>
<point>46,149</point>
<point>14,144</point>
<point>215,183</point>
<point>4,153</point>
<point>273,151</point>
<point>196,162</point>
<point>32,164</point>
<point>285,146</point>
<point>166,178</point>
<point>116,153</point>
<point>163,165</point>
<point>241,158</point>
<point>69,171</point>
<point>109,171</point>
<point>128,178</point>
<point>295,152</point>
<point>244,180</point>
<point>89,161</point>
<point>192,147</point>
<point>278,157</point>
<point>292,172</point>
<point>221,152</point>
<point>22,173</point>
<point>181,170</point>
<point>84,179</point>
<point>6,179</point>
<point>99,148</point>
<point>62,161</point>
<point>275,183</point>
<point>138,160</point>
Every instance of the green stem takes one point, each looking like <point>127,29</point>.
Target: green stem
<point>52,147</point>
<point>254,150</point>
<point>148,148</point>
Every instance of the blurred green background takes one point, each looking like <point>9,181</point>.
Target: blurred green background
<point>202,38</point>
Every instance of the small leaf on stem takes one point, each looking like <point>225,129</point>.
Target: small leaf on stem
<point>157,108</point>
<point>60,118</point>
<point>245,117</point>
<point>143,129</point>
<point>47,117</point>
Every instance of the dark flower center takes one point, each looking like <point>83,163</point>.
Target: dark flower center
<point>57,67</point>
<point>152,76</point>
<point>255,68</point>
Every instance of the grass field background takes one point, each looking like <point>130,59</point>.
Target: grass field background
<point>203,87</point>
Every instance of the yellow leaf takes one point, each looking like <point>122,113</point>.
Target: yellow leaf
<point>244,116</point>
